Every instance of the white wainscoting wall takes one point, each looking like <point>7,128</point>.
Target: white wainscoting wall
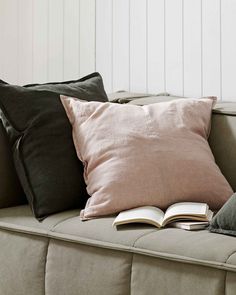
<point>185,47</point>
<point>46,40</point>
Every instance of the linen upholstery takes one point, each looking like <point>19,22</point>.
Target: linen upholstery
<point>230,283</point>
<point>66,259</point>
<point>40,136</point>
<point>89,87</point>
<point>88,270</point>
<point>58,255</point>
<point>157,276</point>
<point>150,155</point>
<point>22,269</point>
<point>222,138</point>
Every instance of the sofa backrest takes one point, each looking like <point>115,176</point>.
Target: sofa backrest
<point>222,140</point>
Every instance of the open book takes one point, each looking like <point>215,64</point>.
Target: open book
<point>185,211</point>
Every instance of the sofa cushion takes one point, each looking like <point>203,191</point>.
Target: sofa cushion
<point>67,256</point>
<point>196,247</point>
<point>22,268</point>
<point>76,269</point>
<point>40,136</point>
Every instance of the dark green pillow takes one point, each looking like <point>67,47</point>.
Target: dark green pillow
<point>89,88</point>
<point>11,193</point>
<point>41,139</point>
<point>224,222</point>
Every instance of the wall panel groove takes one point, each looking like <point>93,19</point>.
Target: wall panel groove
<point>211,44</point>
<point>192,48</point>
<point>87,37</point>
<point>228,39</point>
<point>156,46</point>
<point>120,41</point>
<point>164,41</point>
<point>174,47</point>
<point>71,39</point>
<point>138,66</point>
<point>104,41</point>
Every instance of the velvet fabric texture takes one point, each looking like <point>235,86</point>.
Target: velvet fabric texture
<point>40,136</point>
<point>146,155</point>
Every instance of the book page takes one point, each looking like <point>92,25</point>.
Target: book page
<point>186,208</point>
<point>146,214</point>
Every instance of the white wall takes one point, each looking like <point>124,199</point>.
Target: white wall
<point>46,40</point>
<point>186,47</point>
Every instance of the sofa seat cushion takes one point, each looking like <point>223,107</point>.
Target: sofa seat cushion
<point>21,219</point>
<point>199,247</point>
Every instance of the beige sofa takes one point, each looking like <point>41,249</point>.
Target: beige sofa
<point>64,256</point>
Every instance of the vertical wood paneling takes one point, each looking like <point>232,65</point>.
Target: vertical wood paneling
<point>40,41</point>
<point>71,39</point>
<point>55,40</point>
<point>46,40</point>
<point>87,37</point>
<point>120,44</point>
<point>211,48</point>
<point>104,47</point>
<point>9,41</point>
<point>138,53</point>
<point>25,39</point>
<point>192,48</point>
<point>174,46</point>
<point>228,19</point>
<point>155,46</point>
<point>185,47</point>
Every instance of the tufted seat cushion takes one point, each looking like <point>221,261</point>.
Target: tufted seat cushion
<point>63,255</point>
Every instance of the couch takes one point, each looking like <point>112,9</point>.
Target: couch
<point>64,256</point>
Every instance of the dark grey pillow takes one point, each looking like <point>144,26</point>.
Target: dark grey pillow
<point>11,193</point>
<point>41,139</point>
<point>224,222</point>
<point>89,88</point>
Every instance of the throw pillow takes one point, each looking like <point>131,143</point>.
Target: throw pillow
<point>89,88</point>
<point>146,155</point>
<point>40,135</point>
<point>224,222</point>
<point>11,193</point>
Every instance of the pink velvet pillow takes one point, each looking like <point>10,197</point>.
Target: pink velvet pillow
<point>145,155</point>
